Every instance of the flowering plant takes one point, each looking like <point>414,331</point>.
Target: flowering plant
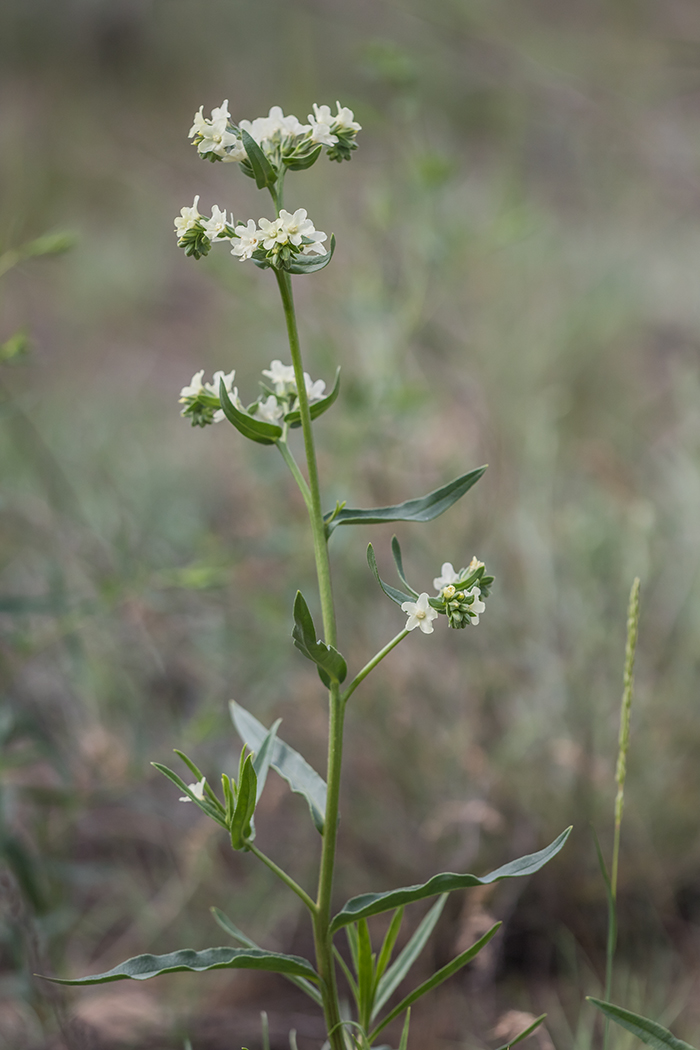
<point>289,244</point>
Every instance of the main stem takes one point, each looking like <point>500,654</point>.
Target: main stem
<point>322,936</point>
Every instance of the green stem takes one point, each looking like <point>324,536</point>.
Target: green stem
<point>322,936</point>
<point>371,665</point>
<point>296,473</point>
<point>281,874</point>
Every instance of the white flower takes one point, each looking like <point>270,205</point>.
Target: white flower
<point>196,789</point>
<point>249,238</point>
<point>213,135</point>
<point>216,225</point>
<point>282,376</point>
<point>296,226</point>
<point>187,218</point>
<point>420,614</point>
<point>269,410</point>
<point>477,605</point>
<point>448,576</point>
<point>344,120</point>
<point>195,388</point>
<point>262,129</point>
<point>213,387</point>
<point>474,564</point>
<point>273,233</point>
<point>316,247</point>
<point>314,391</point>
<point>321,126</point>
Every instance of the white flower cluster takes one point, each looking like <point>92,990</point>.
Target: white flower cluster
<point>462,606</point>
<point>283,139</point>
<point>202,405</point>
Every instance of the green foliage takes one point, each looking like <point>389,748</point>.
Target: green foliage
<point>331,665</point>
<point>264,174</point>
<point>293,419</point>
<point>650,1032</point>
<point>254,429</point>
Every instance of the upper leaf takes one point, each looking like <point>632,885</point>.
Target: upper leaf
<point>373,903</point>
<point>265,174</point>
<point>398,561</point>
<point>650,1032</point>
<point>391,592</point>
<point>142,967</point>
<point>331,665</point>
<point>310,263</point>
<point>318,407</point>
<point>255,429</point>
<point>423,509</point>
<point>290,765</point>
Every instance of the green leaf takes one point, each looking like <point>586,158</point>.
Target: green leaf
<point>423,509</point>
<point>238,935</point>
<point>525,1033</point>
<point>318,407</point>
<point>435,980</point>
<point>389,942</point>
<point>254,429</point>
<point>391,592</point>
<point>331,665</point>
<point>398,561</point>
<point>310,263</point>
<point>204,804</point>
<point>395,975</point>
<point>265,174</point>
<point>650,1032</point>
<point>288,763</point>
<point>374,903</point>
<point>143,967</point>
<point>263,758</point>
<point>302,163</point>
<point>403,1045</point>
<point>365,971</point>
<point>241,827</point>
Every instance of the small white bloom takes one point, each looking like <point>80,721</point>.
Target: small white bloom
<point>213,134</point>
<point>249,238</point>
<point>282,376</point>
<point>269,410</point>
<point>296,226</point>
<point>195,388</point>
<point>216,225</point>
<point>344,120</point>
<point>448,576</point>
<point>273,233</point>
<point>420,614</point>
<point>320,121</point>
<point>316,246</point>
<point>235,153</point>
<point>196,789</point>
<point>477,605</point>
<point>187,218</point>
<point>314,391</point>
<point>213,387</point>
<point>474,564</point>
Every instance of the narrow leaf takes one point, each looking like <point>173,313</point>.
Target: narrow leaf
<point>318,407</point>
<point>198,775</point>
<point>290,765</point>
<point>398,561</point>
<point>238,935</point>
<point>435,980</point>
<point>263,758</point>
<point>241,829</point>
<point>650,1032</point>
<point>395,975</point>
<point>204,804</point>
<point>254,429</point>
<point>331,665</point>
<point>373,903</point>
<point>403,1045</point>
<point>525,1033</point>
<point>365,971</point>
<point>263,171</point>
<point>310,263</point>
<point>143,967</point>
<point>391,592</point>
<point>423,509</point>
<point>389,942</point>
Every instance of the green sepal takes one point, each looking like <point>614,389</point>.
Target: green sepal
<point>331,665</point>
<point>374,903</point>
<point>301,982</point>
<point>398,561</point>
<point>525,1033</point>
<point>143,967</point>
<point>255,429</point>
<point>650,1032</point>
<point>437,978</point>
<point>302,163</point>
<point>391,592</point>
<point>241,826</point>
<point>263,172</point>
<point>288,763</point>
<point>318,407</point>
<point>309,263</point>
<point>204,804</point>
<point>424,508</point>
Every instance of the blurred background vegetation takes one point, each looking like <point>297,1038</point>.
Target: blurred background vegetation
<point>516,282</point>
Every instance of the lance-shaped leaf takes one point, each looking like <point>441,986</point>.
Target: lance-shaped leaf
<point>265,174</point>
<point>207,806</point>
<point>238,935</point>
<point>318,407</point>
<point>143,967</point>
<point>331,665</point>
<point>290,765</point>
<point>650,1032</point>
<point>423,509</point>
<point>310,263</point>
<point>241,825</point>
<point>391,592</point>
<point>398,561</point>
<point>437,978</point>
<point>405,960</point>
<point>373,903</point>
<point>255,429</point>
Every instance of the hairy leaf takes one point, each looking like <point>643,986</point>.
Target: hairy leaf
<point>373,903</point>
